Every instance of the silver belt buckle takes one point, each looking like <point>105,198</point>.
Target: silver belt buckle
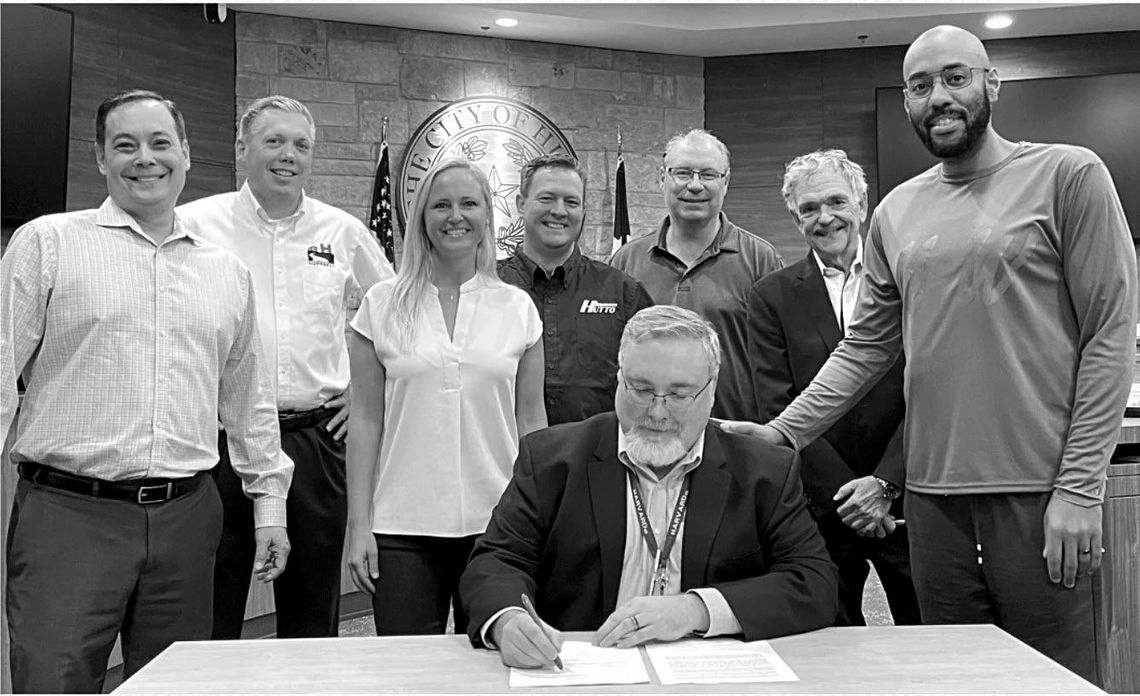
<point>154,494</point>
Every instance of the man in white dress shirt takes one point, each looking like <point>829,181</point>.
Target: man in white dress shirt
<point>311,263</point>
<point>134,337</point>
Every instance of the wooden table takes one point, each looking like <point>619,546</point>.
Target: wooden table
<point>913,659</point>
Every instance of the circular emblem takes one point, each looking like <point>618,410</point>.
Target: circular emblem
<point>499,136</point>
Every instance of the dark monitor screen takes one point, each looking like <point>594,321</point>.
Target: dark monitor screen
<point>1100,112</point>
<point>35,110</point>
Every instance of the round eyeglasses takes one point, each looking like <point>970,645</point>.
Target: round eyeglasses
<point>954,77</point>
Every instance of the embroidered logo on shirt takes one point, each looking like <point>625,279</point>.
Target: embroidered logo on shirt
<point>321,255</point>
<point>595,307</point>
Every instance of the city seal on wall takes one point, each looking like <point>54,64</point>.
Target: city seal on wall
<point>499,136</point>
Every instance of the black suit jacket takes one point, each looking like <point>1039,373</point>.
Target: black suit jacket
<point>792,330</point>
<point>558,534</point>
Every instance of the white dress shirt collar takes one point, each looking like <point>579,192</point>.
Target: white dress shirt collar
<point>251,203</point>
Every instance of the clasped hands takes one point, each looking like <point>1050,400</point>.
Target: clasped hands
<point>864,509</point>
<point>522,643</point>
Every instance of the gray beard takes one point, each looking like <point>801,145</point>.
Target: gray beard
<point>654,454</point>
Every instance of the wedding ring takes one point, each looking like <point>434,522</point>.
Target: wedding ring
<point>636,625</point>
<point>1084,551</point>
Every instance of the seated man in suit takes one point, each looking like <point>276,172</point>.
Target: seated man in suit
<point>651,523</point>
<point>853,475</point>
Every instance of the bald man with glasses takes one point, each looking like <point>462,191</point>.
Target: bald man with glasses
<point>1007,276</point>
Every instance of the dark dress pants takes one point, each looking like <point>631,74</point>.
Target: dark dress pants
<point>419,583</point>
<point>1009,586</point>
<point>82,570</point>
<point>890,556</point>
<point>307,594</point>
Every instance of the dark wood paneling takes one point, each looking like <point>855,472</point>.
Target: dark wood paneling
<point>761,210</point>
<point>172,50</point>
<point>768,108</point>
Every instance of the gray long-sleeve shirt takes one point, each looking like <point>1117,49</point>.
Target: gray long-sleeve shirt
<point>1013,293</point>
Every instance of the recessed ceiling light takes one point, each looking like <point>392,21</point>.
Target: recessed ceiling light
<point>507,22</point>
<point>999,22</point>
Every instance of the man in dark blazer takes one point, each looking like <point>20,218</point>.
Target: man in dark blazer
<point>733,550</point>
<point>853,475</point>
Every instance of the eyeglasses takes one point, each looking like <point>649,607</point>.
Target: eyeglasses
<point>683,175</point>
<point>954,77</point>
<point>673,402</point>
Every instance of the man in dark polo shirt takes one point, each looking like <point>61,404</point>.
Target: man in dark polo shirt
<point>584,303</point>
<point>699,260</point>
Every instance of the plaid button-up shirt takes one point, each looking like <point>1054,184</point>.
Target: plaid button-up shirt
<point>131,352</point>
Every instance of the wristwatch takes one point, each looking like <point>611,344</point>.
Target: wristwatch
<point>890,490</point>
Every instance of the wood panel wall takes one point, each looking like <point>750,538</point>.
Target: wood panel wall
<point>172,50</point>
<point>770,108</point>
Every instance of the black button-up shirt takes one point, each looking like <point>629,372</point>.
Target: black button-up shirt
<point>584,306</point>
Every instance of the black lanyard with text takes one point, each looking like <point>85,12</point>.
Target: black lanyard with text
<point>660,555</point>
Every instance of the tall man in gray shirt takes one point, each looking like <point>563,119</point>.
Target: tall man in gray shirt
<point>1007,274</point>
<point>700,261</point>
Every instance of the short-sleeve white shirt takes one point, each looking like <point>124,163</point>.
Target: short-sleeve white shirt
<point>450,435</point>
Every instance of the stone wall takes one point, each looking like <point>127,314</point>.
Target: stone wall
<point>351,76</point>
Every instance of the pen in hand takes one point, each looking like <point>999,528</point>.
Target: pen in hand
<point>529,606</point>
<point>269,564</point>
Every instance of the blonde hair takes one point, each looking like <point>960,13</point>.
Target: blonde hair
<point>417,263</point>
<point>278,102</point>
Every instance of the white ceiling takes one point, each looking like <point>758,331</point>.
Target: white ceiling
<point>718,28</point>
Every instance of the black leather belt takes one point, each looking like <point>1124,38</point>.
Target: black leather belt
<point>146,491</point>
<point>296,420</point>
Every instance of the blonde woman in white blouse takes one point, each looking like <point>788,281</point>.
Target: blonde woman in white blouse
<point>447,375</point>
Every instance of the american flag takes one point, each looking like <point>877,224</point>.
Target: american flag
<point>380,214</point>
<point>621,208</point>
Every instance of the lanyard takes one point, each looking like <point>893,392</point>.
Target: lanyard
<point>661,555</point>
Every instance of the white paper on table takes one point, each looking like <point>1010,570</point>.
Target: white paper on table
<point>716,661</point>
<point>585,663</point>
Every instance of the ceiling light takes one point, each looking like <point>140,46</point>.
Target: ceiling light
<point>999,22</point>
<point>507,22</point>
